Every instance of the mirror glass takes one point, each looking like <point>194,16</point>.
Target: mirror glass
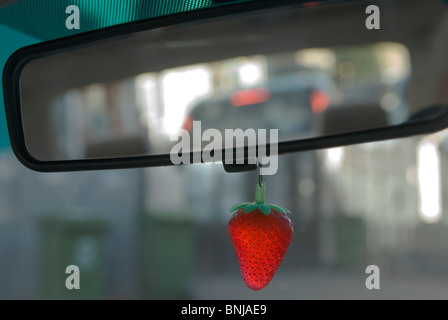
<point>307,72</point>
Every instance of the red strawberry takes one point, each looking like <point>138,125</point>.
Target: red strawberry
<point>261,234</point>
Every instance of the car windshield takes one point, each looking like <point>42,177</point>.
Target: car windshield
<point>161,233</point>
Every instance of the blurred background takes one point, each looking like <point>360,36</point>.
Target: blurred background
<point>161,233</point>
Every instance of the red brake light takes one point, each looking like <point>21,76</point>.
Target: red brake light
<point>310,4</point>
<point>319,101</point>
<point>249,96</point>
<point>188,123</point>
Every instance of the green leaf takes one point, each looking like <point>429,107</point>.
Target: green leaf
<point>250,207</point>
<point>278,208</point>
<point>238,206</point>
<point>264,208</point>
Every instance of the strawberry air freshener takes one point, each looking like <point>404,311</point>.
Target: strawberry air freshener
<point>261,234</point>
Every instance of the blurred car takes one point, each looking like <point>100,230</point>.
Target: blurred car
<point>289,102</point>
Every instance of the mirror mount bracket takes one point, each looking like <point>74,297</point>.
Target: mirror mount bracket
<point>233,168</point>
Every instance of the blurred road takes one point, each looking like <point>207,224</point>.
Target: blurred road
<point>321,284</point>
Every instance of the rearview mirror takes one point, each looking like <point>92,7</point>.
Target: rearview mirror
<point>163,91</point>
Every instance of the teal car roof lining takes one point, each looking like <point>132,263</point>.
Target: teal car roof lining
<point>45,19</point>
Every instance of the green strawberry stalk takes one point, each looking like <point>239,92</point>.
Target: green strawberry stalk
<point>261,234</point>
<point>260,200</point>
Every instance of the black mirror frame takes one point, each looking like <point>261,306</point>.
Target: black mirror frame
<point>428,123</point>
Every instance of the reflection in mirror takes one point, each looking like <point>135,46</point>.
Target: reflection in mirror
<point>279,69</point>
